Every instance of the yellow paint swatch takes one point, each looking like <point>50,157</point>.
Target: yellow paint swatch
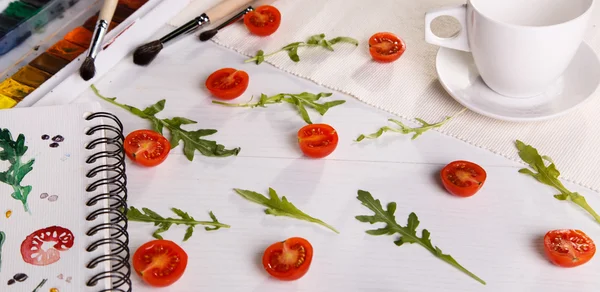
<point>6,102</point>
<point>14,89</point>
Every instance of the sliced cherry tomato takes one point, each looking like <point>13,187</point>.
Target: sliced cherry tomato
<point>263,21</point>
<point>147,147</point>
<point>227,83</point>
<point>32,248</point>
<point>463,178</point>
<point>568,248</point>
<point>386,47</point>
<point>160,263</point>
<point>288,260</point>
<point>317,140</point>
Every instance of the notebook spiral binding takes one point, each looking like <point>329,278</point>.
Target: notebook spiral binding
<point>116,182</point>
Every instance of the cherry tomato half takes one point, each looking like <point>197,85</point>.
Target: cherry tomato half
<point>146,147</point>
<point>288,260</point>
<point>568,248</point>
<point>463,178</point>
<point>263,21</point>
<point>227,83</point>
<point>160,263</point>
<point>317,140</point>
<point>386,47</point>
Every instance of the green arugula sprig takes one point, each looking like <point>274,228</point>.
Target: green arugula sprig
<point>425,126</point>
<point>13,151</point>
<point>292,49</point>
<point>300,101</point>
<point>548,175</point>
<point>408,233</point>
<point>191,139</point>
<point>280,207</point>
<point>164,224</point>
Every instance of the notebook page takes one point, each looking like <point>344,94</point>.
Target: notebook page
<point>44,232</point>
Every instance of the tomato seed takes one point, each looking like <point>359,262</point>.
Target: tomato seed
<point>228,82</point>
<point>301,255</point>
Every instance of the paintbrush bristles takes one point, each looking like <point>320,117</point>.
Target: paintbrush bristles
<point>144,54</point>
<point>207,35</point>
<point>87,69</point>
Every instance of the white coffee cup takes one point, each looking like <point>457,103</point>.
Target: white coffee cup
<point>520,47</point>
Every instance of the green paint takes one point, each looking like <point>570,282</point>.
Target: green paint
<point>2,239</point>
<point>20,10</point>
<point>40,285</point>
<point>12,151</point>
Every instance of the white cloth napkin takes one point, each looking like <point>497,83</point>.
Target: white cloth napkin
<point>409,87</point>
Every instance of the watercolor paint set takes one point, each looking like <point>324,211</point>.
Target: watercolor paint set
<point>49,58</point>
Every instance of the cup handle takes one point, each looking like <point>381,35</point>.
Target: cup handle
<point>458,42</point>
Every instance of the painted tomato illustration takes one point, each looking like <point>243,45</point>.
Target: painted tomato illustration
<point>32,248</point>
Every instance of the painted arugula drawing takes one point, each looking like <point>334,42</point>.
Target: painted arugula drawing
<point>2,239</point>
<point>13,151</point>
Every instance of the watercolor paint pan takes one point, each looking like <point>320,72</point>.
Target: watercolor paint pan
<point>64,47</point>
<point>31,16</point>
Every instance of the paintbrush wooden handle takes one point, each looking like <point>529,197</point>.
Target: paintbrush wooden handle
<point>225,8</point>
<point>262,2</point>
<point>108,10</point>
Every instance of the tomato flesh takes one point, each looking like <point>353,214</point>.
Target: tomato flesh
<point>288,260</point>
<point>263,21</point>
<point>386,47</point>
<point>463,178</point>
<point>160,263</point>
<point>317,140</point>
<point>568,248</point>
<point>146,147</point>
<point>227,83</point>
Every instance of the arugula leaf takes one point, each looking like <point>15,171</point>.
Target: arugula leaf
<point>280,207</point>
<point>313,41</point>
<point>548,175</point>
<point>13,151</point>
<point>408,233</point>
<point>164,224</point>
<point>300,101</point>
<point>191,139</point>
<point>425,126</point>
<point>2,240</point>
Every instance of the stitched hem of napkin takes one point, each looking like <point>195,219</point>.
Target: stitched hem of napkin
<point>412,120</point>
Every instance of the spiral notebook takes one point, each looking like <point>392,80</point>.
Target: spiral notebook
<point>62,197</point>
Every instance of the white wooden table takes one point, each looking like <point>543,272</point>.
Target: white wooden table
<point>497,234</point>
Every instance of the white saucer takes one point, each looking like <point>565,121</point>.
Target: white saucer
<point>459,76</point>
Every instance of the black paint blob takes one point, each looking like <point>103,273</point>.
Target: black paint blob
<point>58,138</point>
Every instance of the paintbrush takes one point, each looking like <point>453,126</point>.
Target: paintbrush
<point>207,35</point>
<point>88,68</point>
<point>144,54</point>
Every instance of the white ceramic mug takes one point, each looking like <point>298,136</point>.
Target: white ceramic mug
<point>520,47</point>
